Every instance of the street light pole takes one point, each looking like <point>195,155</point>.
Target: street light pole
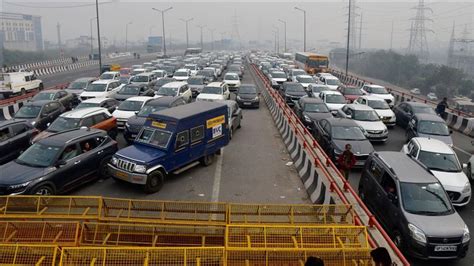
<point>275,37</point>
<point>348,36</point>
<point>304,27</point>
<point>201,27</point>
<point>284,23</point>
<point>187,36</point>
<point>92,39</point>
<point>278,39</point>
<point>212,38</point>
<point>126,36</point>
<point>98,35</point>
<point>163,23</point>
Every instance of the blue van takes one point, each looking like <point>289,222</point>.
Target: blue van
<point>171,141</point>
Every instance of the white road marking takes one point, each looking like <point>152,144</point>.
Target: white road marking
<point>216,187</point>
<point>462,151</point>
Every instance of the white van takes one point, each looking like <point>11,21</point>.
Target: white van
<point>18,82</point>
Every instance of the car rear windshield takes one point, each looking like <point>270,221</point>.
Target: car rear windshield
<point>106,76</point>
<point>423,110</point>
<point>86,105</point>
<point>155,137</point>
<point>162,82</point>
<point>305,79</point>
<point>316,108</point>
<point>28,111</point>
<point>140,79</point>
<point>298,72</point>
<point>195,81</point>
<point>425,199</point>
<point>96,87</point>
<point>44,96</point>
<point>295,87</point>
<point>352,91</point>
<point>39,155</point>
<point>64,123</point>
<point>319,88</point>
<point>440,161</point>
<point>212,90</point>
<point>167,91</point>
<point>433,128</point>
<point>130,106</point>
<point>129,90</point>
<point>333,82</point>
<point>278,75</point>
<point>335,98</point>
<point>181,74</point>
<point>347,133</point>
<point>247,90</point>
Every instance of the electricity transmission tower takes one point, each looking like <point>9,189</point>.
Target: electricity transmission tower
<point>352,25</point>
<point>460,53</point>
<point>418,44</point>
<point>235,30</point>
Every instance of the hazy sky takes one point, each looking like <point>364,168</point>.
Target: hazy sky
<point>326,20</point>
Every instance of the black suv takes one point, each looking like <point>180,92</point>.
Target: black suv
<point>40,113</point>
<point>58,163</point>
<point>292,92</point>
<point>15,136</point>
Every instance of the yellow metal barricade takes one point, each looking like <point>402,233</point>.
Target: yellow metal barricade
<point>290,214</point>
<point>60,233</point>
<point>143,256</point>
<point>29,255</point>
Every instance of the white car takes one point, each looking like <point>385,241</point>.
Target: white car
<point>101,89</point>
<point>379,91</point>
<point>277,78</point>
<point>381,107</point>
<point>369,121</point>
<point>470,168</point>
<point>182,74</point>
<point>444,164</point>
<point>415,91</point>
<point>296,72</point>
<point>333,99</point>
<point>159,73</point>
<point>332,82</point>
<point>316,89</point>
<point>305,80</point>
<point>214,91</point>
<point>175,88</point>
<point>432,96</point>
<point>129,108</point>
<point>110,75</point>
<point>232,80</point>
<point>193,68</point>
<point>137,71</point>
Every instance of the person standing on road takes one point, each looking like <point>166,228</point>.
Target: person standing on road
<point>346,161</point>
<point>441,107</point>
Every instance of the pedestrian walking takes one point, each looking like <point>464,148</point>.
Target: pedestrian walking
<point>346,161</point>
<point>441,107</point>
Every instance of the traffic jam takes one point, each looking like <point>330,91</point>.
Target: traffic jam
<point>178,112</point>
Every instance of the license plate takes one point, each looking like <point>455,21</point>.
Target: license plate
<point>121,175</point>
<point>247,103</point>
<point>445,248</point>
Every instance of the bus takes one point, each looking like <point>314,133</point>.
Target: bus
<point>192,51</point>
<point>312,63</point>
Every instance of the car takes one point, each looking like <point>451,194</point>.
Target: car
<point>247,96</point>
<point>232,80</point>
<point>432,96</point>
<point>132,90</point>
<point>333,99</point>
<point>65,98</point>
<point>136,66</point>
<point>159,73</point>
<point>101,89</point>
<point>351,93</point>
<point>332,82</point>
<point>368,120</point>
<point>310,110</point>
<point>144,79</point>
<point>444,165</point>
<point>415,91</point>
<point>235,68</point>
<point>214,91</point>
<point>182,74</point>
<point>59,163</point>
<point>19,82</point>
<point>429,126</point>
<point>175,88</point>
<point>214,71</point>
<point>291,92</point>
<point>470,167</point>
<point>15,137</point>
<point>108,103</point>
<point>333,134</point>
<point>413,207</point>
<point>40,113</point>
<point>196,84</point>
<point>193,68</point>
<point>208,73</point>
<point>137,71</point>
<point>295,72</point>
<point>110,75</point>
<point>406,110</point>
<point>135,123</point>
<point>277,78</point>
<point>379,91</point>
<point>162,81</point>
<point>219,68</point>
<point>92,117</point>
<point>125,71</point>
<point>304,80</point>
<point>129,108</point>
<point>77,86</point>
<point>381,107</point>
<point>235,117</point>
<point>316,89</point>
<point>125,80</point>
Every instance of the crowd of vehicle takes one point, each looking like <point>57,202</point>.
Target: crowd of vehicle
<point>411,192</point>
<point>171,112</point>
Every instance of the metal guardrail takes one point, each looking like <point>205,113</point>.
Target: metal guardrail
<point>29,255</point>
<point>29,95</point>
<point>40,232</point>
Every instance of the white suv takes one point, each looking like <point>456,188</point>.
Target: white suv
<point>379,91</point>
<point>232,80</point>
<point>110,75</point>
<point>369,121</point>
<point>380,106</point>
<point>333,99</point>
<point>182,74</point>
<point>175,88</point>
<point>129,108</point>
<point>101,89</point>
<point>444,164</point>
<point>214,91</point>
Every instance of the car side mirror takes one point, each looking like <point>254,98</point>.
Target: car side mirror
<point>136,112</point>
<point>464,166</point>
<point>60,163</point>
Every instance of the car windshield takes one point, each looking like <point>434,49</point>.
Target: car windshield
<point>130,106</point>
<point>207,73</point>
<point>316,108</point>
<point>148,109</point>
<point>365,115</point>
<point>352,91</point>
<point>181,74</point>
<point>86,105</point>
<point>231,77</point>
<point>299,72</point>
<point>167,91</point>
<point>347,133</point>
<point>64,123</point>
<point>162,82</point>
<point>155,137</point>
<point>295,87</point>
<point>305,79</point>
<point>278,75</point>
<point>28,111</point>
<point>129,90</point>
<point>379,90</point>
<point>425,199</point>
<point>159,74</point>
<point>335,98</point>
<point>332,82</point>
<point>212,90</point>
<point>140,79</point>
<point>77,85</point>
<point>379,105</point>
<point>247,90</point>
<point>39,155</point>
<point>423,110</point>
<point>107,76</point>
<point>196,81</point>
<point>44,96</point>
<point>433,128</point>
<point>319,88</point>
<point>317,63</point>
<point>440,161</point>
<point>136,71</point>
<point>96,87</point>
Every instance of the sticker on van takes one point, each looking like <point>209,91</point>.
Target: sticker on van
<point>158,124</point>
<point>217,131</point>
<point>213,122</point>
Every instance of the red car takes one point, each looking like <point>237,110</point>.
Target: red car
<point>351,93</point>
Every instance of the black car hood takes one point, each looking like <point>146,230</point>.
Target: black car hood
<point>358,146</point>
<point>317,116</point>
<point>247,95</point>
<point>13,173</point>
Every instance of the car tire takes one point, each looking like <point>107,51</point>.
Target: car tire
<point>231,133</point>
<point>398,240</point>
<point>113,133</point>
<point>154,182</point>
<point>103,168</point>
<point>43,189</point>
<point>240,125</point>
<point>207,160</point>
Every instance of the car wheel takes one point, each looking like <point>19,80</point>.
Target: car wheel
<point>398,240</point>
<point>154,182</point>
<point>103,168</point>
<point>207,160</point>
<point>240,125</point>
<point>43,190</point>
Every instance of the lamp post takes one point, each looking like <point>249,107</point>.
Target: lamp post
<point>275,35</point>
<point>304,26</point>
<point>348,37</point>
<point>92,45</point>
<point>277,39</point>
<point>284,23</point>
<point>98,35</point>
<point>187,36</point>
<point>163,23</point>
<point>201,27</point>
<point>126,36</point>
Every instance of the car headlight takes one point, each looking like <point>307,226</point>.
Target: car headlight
<point>417,234</point>
<point>467,188</point>
<point>33,123</point>
<point>19,186</point>
<point>307,119</point>
<point>466,236</point>
<point>256,98</point>
<point>114,160</point>
<point>385,131</point>
<point>139,168</point>
<point>238,98</point>
<point>127,124</point>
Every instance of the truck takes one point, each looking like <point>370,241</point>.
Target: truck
<point>172,141</point>
<point>154,44</point>
<point>19,83</point>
